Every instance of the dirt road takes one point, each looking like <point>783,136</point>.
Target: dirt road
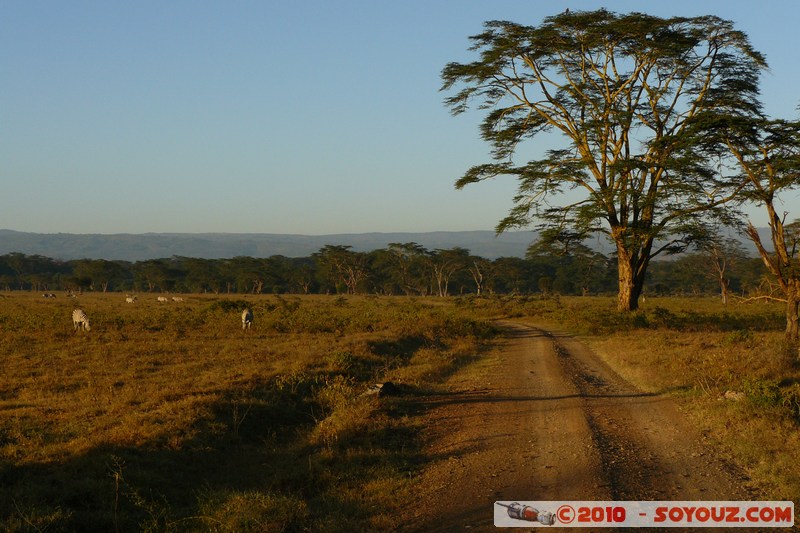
<point>547,420</point>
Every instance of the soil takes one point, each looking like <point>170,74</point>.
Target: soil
<point>547,420</point>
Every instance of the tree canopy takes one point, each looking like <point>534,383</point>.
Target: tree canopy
<point>626,96</point>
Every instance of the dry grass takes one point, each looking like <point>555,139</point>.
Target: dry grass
<point>167,417</point>
<point>170,417</point>
<point>760,429</point>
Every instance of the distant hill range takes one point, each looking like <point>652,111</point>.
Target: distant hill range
<point>137,247</point>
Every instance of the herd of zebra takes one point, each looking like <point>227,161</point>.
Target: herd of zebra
<point>80,320</point>
<point>132,299</point>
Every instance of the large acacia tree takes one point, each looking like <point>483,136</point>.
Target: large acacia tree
<point>621,93</point>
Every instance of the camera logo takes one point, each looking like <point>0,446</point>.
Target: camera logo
<point>527,513</point>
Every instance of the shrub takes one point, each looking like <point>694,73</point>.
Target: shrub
<point>790,399</point>
<point>228,305</point>
<point>739,336</point>
<point>662,317</point>
<point>342,361</point>
<point>252,511</point>
<point>762,393</point>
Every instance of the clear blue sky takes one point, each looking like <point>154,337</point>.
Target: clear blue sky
<point>310,117</point>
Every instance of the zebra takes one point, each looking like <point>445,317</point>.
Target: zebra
<point>177,299</point>
<point>163,299</point>
<point>247,318</point>
<point>130,299</point>
<point>80,320</point>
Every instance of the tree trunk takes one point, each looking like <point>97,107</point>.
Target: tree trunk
<point>792,304</point>
<point>626,301</point>
<point>439,281</point>
<point>724,285</point>
<point>477,277</point>
<point>631,282</point>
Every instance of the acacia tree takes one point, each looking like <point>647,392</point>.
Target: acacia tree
<point>622,93</point>
<point>410,266</point>
<point>99,272</point>
<point>299,272</point>
<point>201,275</point>
<point>155,274</point>
<point>343,266</point>
<point>768,154</point>
<point>721,253</point>
<point>444,264</point>
<point>580,264</point>
<point>479,269</point>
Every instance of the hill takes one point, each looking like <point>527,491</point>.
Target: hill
<point>138,247</point>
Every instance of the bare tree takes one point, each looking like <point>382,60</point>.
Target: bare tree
<point>722,253</point>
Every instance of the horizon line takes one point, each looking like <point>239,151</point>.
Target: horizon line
<point>266,232</point>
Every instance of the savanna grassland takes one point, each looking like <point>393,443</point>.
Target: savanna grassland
<point>169,417</point>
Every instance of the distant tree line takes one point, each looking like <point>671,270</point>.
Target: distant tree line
<point>399,269</point>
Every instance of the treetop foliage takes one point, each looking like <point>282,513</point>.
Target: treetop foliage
<point>629,96</point>
<point>622,89</point>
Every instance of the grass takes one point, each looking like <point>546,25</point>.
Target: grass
<point>168,417</point>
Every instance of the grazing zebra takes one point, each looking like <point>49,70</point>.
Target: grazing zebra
<point>80,320</point>
<point>247,318</point>
<point>130,299</point>
<point>177,299</point>
<point>163,299</point>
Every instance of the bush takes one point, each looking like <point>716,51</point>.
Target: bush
<point>790,399</point>
<point>738,336</point>
<point>662,317</point>
<point>252,511</point>
<point>228,305</point>
<point>762,393</point>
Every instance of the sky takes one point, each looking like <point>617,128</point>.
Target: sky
<point>309,117</point>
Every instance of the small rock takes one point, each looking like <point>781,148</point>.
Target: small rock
<point>733,395</point>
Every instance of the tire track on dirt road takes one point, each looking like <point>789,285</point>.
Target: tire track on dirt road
<point>545,419</point>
